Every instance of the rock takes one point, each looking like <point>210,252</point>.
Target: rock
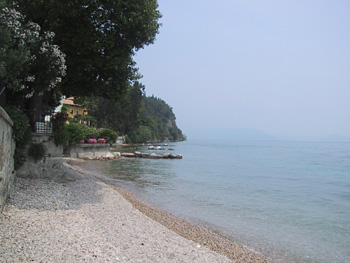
<point>155,156</point>
<point>138,154</point>
<point>166,155</point>
<point>129,155</point>
<point>145,155</point>
<point>179,156</point>
<point>109,155</point>
<point>173,156</point>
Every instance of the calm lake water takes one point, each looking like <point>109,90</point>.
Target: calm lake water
<point>284,199</point>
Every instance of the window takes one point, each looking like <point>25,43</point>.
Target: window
<point>71,112</point>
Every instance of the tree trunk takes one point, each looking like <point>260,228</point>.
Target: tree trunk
<point>36,112</point>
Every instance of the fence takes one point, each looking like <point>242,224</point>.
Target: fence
<point>40,122</point>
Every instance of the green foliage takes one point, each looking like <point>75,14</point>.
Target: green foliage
<point>109,135</point>
<point>37,151</point>
<point>75,132</point>
<point>135,112</point>
<point>90,133</point>
<point>30,64</point>
<point>21,134</point>
<point>142,134</point>
<point>123,115</point>
<point>78,132</point>
<point>64,109</point>
<point>158,116</point>
<point>99,39</point>
<point>60,135</point>
<point>127,139</point>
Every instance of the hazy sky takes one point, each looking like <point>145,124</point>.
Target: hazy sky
<point>279,66</point>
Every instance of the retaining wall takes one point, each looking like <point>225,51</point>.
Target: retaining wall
<point>87,151</point>
<point>50,166</point>
<point>7,148</point>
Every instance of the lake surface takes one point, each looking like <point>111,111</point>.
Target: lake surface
<point>285,199</point>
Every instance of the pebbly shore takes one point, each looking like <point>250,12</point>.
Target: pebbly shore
<point>86,218</point>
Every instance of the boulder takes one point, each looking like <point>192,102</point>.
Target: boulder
<point>173,156</point>
<point>129,155</point>
<point>138,154</point>
<point>155,156</point>
<point>110,155</point>
<point>145,155</point>
<point>166,155</point>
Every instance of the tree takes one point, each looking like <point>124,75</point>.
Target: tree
<point>99,38</point>
<point>31,66</point>
<point>159,117</point>
<point>122,115</point>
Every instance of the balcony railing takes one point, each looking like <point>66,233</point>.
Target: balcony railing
<point>40,122</point>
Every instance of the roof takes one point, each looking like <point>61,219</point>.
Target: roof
<point>70,101</point>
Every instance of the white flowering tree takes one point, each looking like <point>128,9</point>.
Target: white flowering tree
<point>31,66</point>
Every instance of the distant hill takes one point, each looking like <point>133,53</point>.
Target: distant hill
<point>157,122</point>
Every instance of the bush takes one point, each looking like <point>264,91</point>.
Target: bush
<point>21,134</point>
<point>108,134</point>
<point>60,135</point>
<point>75,132</point>
<point>90,132</point>
<point>78,132</point>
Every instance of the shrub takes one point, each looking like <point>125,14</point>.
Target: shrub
<point>90,132</point>
<point>79,132</point>
<point>110,135</point>
<point>60,135</point>
<point>75,131</point>
<point>21,134</point>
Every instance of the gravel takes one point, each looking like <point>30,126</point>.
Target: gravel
<point>84,218</point>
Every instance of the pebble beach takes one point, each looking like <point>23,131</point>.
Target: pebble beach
<point>84,218</point>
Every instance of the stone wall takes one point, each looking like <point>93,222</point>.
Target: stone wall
<point>87,151</point>
<point>48,167</point>
<point>7,148</point>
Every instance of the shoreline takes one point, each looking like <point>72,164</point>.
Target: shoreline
<point>200,234</point>
<point>85,217</point>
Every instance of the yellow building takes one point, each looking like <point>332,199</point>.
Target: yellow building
<point>75,111</point>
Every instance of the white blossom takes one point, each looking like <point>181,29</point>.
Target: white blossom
<point>42,50</point>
